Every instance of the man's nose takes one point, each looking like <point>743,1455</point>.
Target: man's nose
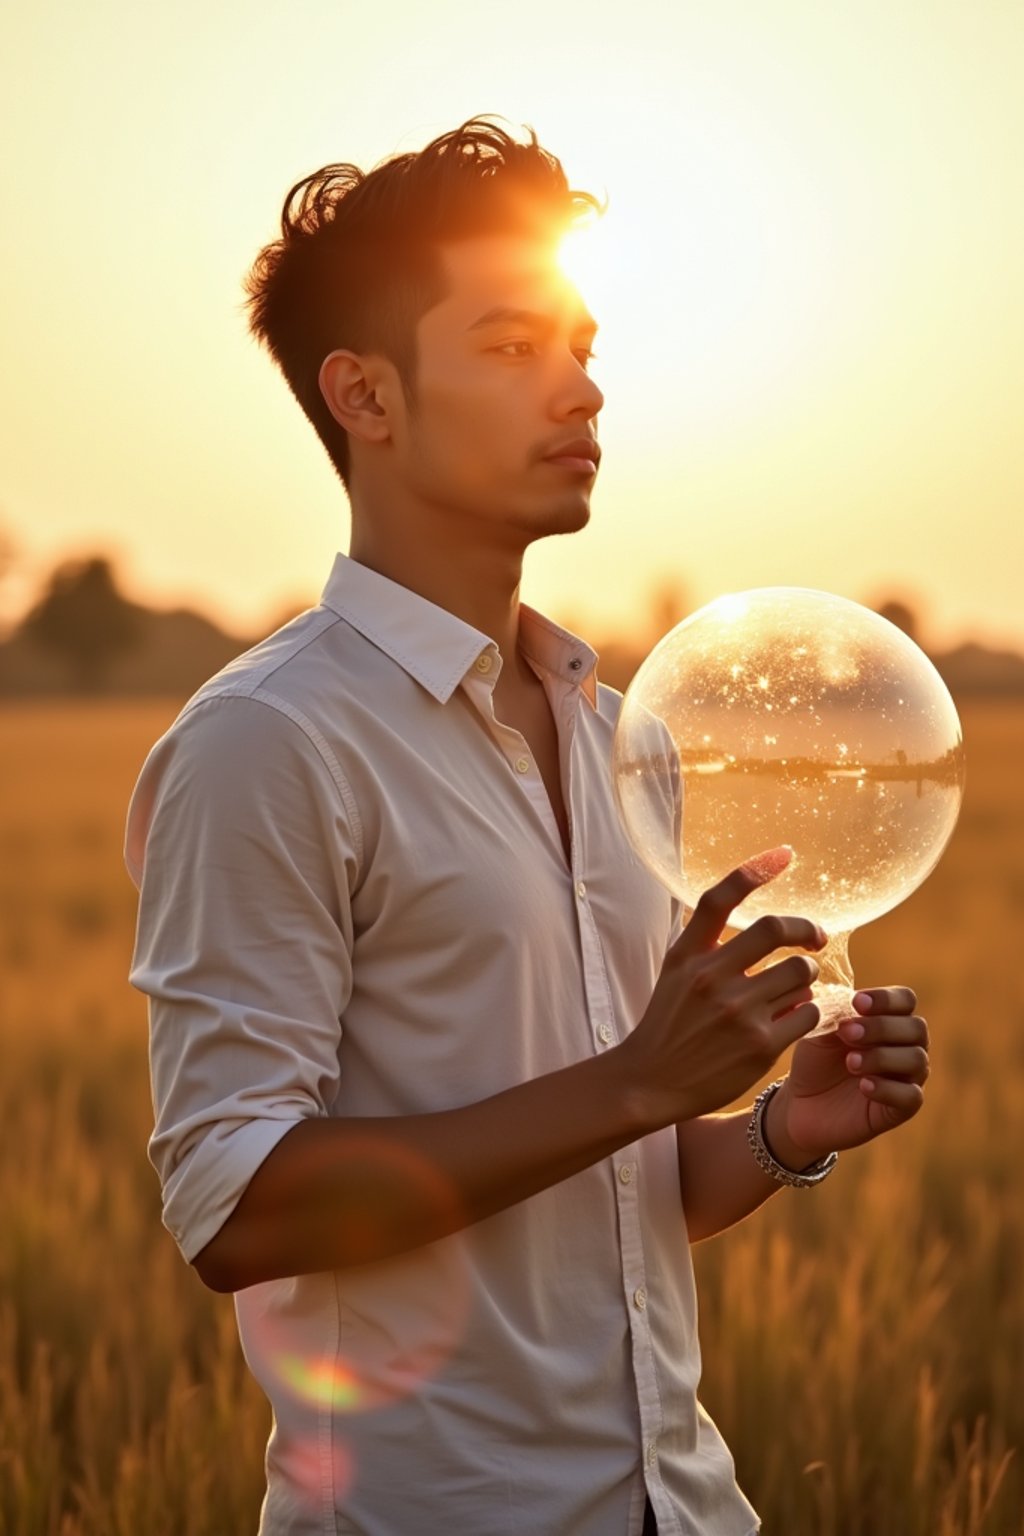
<point>578,393</point>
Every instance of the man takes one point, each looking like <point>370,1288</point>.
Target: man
<point>435,1073</point>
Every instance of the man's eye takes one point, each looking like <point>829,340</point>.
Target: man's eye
<point>527,348</point>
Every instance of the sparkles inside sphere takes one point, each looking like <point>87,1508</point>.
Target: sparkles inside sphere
<point>785,715</point>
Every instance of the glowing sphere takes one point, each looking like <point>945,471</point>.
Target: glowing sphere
<point>790,716</point>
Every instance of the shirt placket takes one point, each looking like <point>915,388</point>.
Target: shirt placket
<point>634,1282</point>
<point>515,748</point>
<point>626,1172</point>
<point>625,1163</point>
<point>603,1035</point>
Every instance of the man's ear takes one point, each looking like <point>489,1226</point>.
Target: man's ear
<point>359,392</point>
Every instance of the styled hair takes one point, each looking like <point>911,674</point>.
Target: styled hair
<point>359,262</point>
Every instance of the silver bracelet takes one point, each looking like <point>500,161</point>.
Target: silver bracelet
<point>763,1157</point>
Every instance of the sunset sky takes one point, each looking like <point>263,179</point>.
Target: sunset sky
<point>809,284</point>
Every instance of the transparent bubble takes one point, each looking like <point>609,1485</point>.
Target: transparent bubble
<point>790,716</point>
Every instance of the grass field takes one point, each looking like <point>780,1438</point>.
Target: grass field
<point>864,1343</point>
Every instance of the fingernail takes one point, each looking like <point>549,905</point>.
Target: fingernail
<point>867,1085</point>
<point>765,866</point>
<point>854,1061</point>
<point>852,1031</point>
<point>863,1002</point>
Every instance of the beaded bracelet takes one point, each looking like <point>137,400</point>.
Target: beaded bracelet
<point>763,1157</point>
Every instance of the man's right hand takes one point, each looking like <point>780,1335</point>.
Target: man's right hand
<point>711,1030</point>
<point>336,1192</point>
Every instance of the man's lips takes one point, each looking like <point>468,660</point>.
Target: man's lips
<point>581,454</point>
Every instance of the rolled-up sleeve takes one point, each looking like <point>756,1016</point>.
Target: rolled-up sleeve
<point>244,841</point>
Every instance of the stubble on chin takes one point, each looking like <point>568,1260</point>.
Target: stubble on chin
<point>558,519</point>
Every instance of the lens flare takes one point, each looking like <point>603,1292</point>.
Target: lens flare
<point>789,716</point>
<point>317,1471</point>
<point>323,1383</point>
<point>354,1340</point>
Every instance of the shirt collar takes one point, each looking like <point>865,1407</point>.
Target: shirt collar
<point>437,648</point>
<point>559,651</point>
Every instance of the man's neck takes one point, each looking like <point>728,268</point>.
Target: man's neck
<point>479,585</point>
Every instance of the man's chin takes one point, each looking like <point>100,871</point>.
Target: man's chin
<point>565,517</point>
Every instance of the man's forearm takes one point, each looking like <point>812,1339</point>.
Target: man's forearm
<point>720,1181</point>
<point>340,1192</point>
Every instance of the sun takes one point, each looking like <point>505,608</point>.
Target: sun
<point>580,256</point>
<point>712,285</point>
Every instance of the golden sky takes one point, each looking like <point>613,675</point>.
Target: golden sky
<point>809,284</point>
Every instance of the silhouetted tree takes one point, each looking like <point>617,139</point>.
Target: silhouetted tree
<point>8,561</point>
<point>669,605</point>
<point>83,618</point>
<point>903,616</point>
<point>8,552</point>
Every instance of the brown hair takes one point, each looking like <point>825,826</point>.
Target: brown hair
<point>358,260</point>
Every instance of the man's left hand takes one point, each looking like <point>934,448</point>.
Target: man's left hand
<point>847,1087</point>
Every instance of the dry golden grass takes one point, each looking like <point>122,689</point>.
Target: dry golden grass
<point>864,1344</point>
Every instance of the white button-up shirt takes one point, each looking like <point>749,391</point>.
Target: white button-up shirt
<point>355,901</point>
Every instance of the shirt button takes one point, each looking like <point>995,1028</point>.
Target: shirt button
<point>604,1034</point>
<point>640,1298</point>
<point>581,890</point>
<point>575,664</point>
<point>484,662</point>
<point>626,1173</point>
<point>522,765</point>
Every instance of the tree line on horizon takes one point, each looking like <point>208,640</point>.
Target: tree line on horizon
<point>84,637</point>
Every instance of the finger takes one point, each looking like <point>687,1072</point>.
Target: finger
<point>887,1029</point>
<point>783,1005</point>
<point>767,934</point>
<point>791,1025</point>
<point>900,1100</point>
<point>777,982</point>
<point>907,1062</point>
<point>770,863</point>
<point>885,1000</point>
<point>712,911</point>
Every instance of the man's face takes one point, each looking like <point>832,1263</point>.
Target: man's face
<point>501,390</point>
